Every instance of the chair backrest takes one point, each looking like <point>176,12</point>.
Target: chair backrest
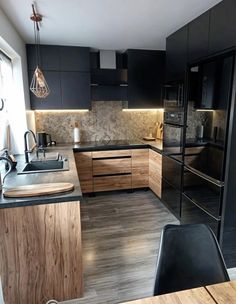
<point>189,257</point>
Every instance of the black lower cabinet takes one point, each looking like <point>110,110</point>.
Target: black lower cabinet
<point>191,213</point>
<point>171,197</point>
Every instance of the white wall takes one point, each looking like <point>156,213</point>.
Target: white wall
<point>14,46</point>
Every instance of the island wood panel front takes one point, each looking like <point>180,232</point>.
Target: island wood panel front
<point>85,170</point>
<point>106,183</point>
<point>140,168</point>
<point>111,166</point>
<point>189,296</point>
<point>155,172</point>
<point>41,254</point>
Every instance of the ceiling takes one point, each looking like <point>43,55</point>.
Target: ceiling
<point>105,24</point>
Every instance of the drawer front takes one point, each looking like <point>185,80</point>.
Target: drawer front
<point>155,161</point>
<point>155,185</point>
<point>111,166</point>
<point>172,171</point>
<point>112,153</point>
<point>193,214</point>
<point>140,168</point>
<point>107,183</point>
<point>171,197</point>
<point>203,192</point>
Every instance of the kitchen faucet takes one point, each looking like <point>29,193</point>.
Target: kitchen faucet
<point>8,171</point>
<point>27,151</point>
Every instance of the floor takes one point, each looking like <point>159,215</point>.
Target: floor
<point>121,235</point>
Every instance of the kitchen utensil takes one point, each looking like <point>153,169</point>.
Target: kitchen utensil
<point>159,131</point>
<point>44,139</point>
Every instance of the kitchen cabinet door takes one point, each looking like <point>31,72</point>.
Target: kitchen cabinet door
<point>222,26</point>
<point>208,85</point>
<point>74,59</point>
<point>107,93</point>
<point>155,172</point>
<point>140,168</point>
<point>75,90</point>
<point>146,71</point>
<point>176,54</point>
<point>198,37</point>
<point>193,214</point>
<point>53,100</point>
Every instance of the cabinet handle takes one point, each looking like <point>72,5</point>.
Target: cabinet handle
<point>2,104</point>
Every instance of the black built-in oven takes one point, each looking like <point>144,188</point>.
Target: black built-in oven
<point>173,132</point>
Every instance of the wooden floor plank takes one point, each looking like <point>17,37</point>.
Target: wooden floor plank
<point>120,237</point>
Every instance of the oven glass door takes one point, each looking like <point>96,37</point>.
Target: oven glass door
<point>173,140</point>
<point>173,96</point>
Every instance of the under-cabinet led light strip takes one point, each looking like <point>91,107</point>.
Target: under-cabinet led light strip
<point>61,111</point>
<point>141,110</point>
<point>204,110</point>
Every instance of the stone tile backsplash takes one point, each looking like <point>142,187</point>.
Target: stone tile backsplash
<point>105,120</point>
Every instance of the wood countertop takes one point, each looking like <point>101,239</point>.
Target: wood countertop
<point>223,293</point>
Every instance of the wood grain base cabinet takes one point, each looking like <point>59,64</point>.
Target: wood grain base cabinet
<point>108,183</point>
<point>40,253</point>
<point>119,169</point>
<point>155,172</point>
<point>140,168</point>
<point>84,166</point>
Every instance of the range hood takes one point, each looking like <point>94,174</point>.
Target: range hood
<point>107,59</point>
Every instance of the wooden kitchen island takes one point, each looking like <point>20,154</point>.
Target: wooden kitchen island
<point>40,239</point>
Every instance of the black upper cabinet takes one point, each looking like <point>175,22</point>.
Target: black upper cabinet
<point>146,71</point>
<point>49,57</point>
<point>75,94</point>
<point>198,37</point>
<point>111,92</point>
<point>176,55</point>
<point>208,85</point>
<point>67,72</point>
<point>53,101</point>
<point>222,26</point>
<point>74,59</point>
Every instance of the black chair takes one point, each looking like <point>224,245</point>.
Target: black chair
<point>189,257</point>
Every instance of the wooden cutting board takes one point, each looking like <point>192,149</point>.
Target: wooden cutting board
<point>38,189</point>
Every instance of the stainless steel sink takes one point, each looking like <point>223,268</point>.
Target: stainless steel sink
<point>45,166</point>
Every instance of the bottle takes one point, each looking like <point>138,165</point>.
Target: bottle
<point>76,133</point>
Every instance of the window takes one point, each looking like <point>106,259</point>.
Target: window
<point>5,90</point>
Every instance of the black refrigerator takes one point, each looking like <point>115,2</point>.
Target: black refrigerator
<point>208,194</point>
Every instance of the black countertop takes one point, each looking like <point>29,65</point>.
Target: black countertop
<point>117,144</point>
<point>14,180</point>
<point>66,150</point>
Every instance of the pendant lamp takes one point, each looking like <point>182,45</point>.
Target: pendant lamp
<point>38,86</point>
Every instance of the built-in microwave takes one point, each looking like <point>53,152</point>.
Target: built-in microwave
<point>174,95</point>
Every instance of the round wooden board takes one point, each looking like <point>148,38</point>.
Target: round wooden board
<point>38,190</point>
